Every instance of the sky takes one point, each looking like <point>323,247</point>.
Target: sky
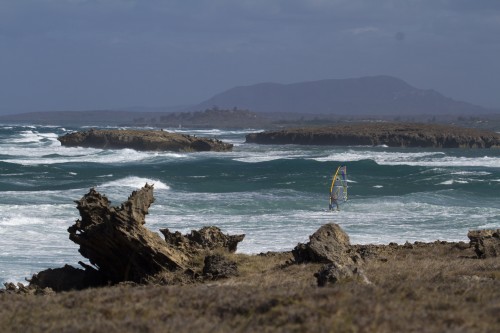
<point>109,54</point>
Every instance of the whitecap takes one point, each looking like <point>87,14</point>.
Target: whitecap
<point>257,157</point>
<point>471,173</point>
<point>380,157</point>
<point>36,156</point>
<point>136,183</point>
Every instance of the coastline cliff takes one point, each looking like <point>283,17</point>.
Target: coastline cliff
<point>382,133</point>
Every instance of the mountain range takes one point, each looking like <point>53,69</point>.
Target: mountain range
<point>371,95</point>
<point>273,104</point>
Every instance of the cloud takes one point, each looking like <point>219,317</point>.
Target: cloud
<point>364,30</point>
<point>188,50</point>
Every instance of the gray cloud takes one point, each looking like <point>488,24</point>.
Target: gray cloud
<point>82,54</point>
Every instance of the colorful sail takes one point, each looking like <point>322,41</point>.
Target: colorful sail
<point>338,189</point>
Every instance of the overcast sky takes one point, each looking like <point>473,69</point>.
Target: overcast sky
<point>100,54</point>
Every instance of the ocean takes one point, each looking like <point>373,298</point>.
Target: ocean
<point>277,195</point>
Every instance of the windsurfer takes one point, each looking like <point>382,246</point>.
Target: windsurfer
<point>333,200</point>
<point>338,189</point>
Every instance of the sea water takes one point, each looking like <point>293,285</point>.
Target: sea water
<point>277,195</point>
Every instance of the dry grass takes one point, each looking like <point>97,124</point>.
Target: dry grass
<point>436,288</point>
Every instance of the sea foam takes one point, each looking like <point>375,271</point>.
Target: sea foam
<point>135,183</point>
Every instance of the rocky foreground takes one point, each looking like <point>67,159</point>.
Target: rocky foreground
<point>139,281</point>
<point>382,133</point>
<point>142,140</point>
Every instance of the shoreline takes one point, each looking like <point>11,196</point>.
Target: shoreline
<point>432,287</point>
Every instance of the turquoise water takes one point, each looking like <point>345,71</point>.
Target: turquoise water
<point>276,195</point>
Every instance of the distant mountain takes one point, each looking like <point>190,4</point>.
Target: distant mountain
<point>374,95</point>
<point>268,105</point>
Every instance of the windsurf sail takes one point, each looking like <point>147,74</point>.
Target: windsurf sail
<point>338,189</point>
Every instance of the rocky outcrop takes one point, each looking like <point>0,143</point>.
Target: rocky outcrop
<point>207,238</point>
<point>382,133</point>
<point>68,278</point>
<point>143,140</point>
<point>486,242</point>
<point>120,248</point>
<point>115,240</point>
<point>330,245</point>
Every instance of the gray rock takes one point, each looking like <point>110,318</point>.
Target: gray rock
<point>334,273</point>
<point>116,242</point>
<point>68,278</point>
<point>486,242</point>
<point>142,140</point>
<point>207,238</point>
<point>218,267</point>
<point>329,244</point>
<point>382,133</point>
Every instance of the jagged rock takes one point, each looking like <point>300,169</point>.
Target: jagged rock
<point>382,133</point>
<point>68,278</point>
<point>207,238</point>
<point>19,288</point>
<point>334,272</point>
<point>329,244</point>
<point>486,242</point>
<point>142,140</point>
<point>218,267</point>
<point>121,249</point>
<point>116,242</point>
<point>11,288</point>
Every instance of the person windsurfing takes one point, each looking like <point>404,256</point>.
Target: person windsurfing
<point>333,200</point>
<point>338,189</point>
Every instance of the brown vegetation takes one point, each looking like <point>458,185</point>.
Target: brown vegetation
<point>437,287</point>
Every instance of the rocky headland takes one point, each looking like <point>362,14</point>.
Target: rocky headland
<point>382,133</point>
<point>139,281</point>
<point>143,140</point>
